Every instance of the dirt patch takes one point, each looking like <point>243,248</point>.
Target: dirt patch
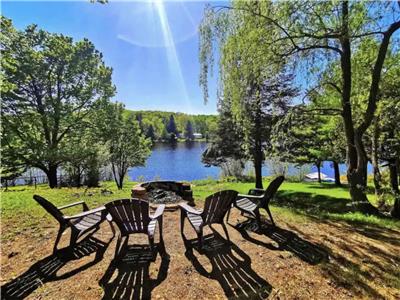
<point>311,260</point>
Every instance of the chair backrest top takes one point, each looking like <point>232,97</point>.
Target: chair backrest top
<point>217,205</point>
<point>50,208</point>
<point>130,215</point>
<point>271,190</point>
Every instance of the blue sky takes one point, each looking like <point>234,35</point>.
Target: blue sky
<point>152,46</point>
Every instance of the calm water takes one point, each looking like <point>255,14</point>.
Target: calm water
<point>183,162</point>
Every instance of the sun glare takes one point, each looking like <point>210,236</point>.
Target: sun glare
<point>172,54</point>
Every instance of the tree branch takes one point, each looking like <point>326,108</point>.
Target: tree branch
<point>376,76</point>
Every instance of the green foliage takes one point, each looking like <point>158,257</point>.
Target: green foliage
<point>204,124</point>
<point>128,147</point>
<point>255,88</point>
<point>50,86</point>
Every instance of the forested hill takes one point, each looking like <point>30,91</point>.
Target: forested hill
<point>159,125</point>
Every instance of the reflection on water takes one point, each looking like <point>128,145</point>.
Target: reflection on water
<point>182,161</point>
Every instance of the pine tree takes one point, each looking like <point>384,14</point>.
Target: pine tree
<point>189,131</point>
<point>150,133</point>
<point>171,126</point>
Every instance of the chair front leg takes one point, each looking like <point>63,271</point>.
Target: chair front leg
<point>183,215</point>
<point>226,231</point>
<point>228,214</point>
<point>151,242</point>
<point>258,218</point>
<point>160,227</point>
<point>74,238</point>
<point>120,246</point>
<point>200,238</point>
<point>112,228</point>
<point>270,216</point>
<point>59,234</point>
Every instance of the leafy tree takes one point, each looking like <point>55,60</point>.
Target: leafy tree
<point>258,88</point>
<point>316,34</point>
<point>189,131</point>
<point>227,143</point>
<point>50,85</point>
<point>128,146</point>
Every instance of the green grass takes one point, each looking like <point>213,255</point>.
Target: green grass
<point>295,201</point>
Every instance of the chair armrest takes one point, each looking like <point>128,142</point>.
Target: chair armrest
<point>189,209</point>
<point>251,197</point>
<point>159,211</point>
<point>71,204</point>
<point>256,190</point>
<point>86,213</point>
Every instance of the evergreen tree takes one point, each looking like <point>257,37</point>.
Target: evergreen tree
<point>189,131</point>
<point>171,126</point>
<point>150,133</point>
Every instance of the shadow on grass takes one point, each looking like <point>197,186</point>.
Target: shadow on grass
<point>46,269</point>
<point>345,187</point>
<point>231,267</point>
<point>128,276</point>
<point>312,203</point>
<point>328,208</point>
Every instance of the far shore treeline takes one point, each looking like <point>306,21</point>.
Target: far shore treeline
<point>159,125</point>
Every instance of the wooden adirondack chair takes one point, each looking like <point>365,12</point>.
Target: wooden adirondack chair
<point>79,224</point>
<point>257,199</point>
<point>132,216</point>
<point>215,209</point>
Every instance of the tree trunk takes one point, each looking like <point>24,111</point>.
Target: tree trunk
<point>115,175</point>
<point>258,169</point>
<point>318,164</point>
<point>356,157</point>
<point>375,161</point>
<point>395,212</point>
<point>52,176</point>
<point>337,173</point>
<point>358,176</point>
<point>121,180</point>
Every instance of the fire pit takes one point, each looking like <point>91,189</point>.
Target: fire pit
<point>169,193</point>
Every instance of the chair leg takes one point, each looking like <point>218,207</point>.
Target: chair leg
<point>183,215</point>
<point>228,215</point>
<point>270,216</point>
<point>74,238</point>
<point>121,245</point>
<point>226,231</point>
<point>151,242</point>
<point>200,238</point>
<point>160,227</point>
<point>112,228</point>
<point>258,218</point>
<point>60,231</point>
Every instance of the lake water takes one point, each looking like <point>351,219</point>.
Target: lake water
<point>182,161</point>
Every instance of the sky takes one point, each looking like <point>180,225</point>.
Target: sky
<point>152,46</point>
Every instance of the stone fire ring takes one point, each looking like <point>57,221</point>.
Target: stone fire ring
<point>182,189</point>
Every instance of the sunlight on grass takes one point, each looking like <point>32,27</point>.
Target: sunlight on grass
<point>295,202</point>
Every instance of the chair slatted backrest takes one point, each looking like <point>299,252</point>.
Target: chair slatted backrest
<point>51,209</point>
<point>130,215</point>
<point>271,190</point>
<point>217,205</point>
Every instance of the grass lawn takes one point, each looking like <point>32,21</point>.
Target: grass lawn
<point>361,249</point>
